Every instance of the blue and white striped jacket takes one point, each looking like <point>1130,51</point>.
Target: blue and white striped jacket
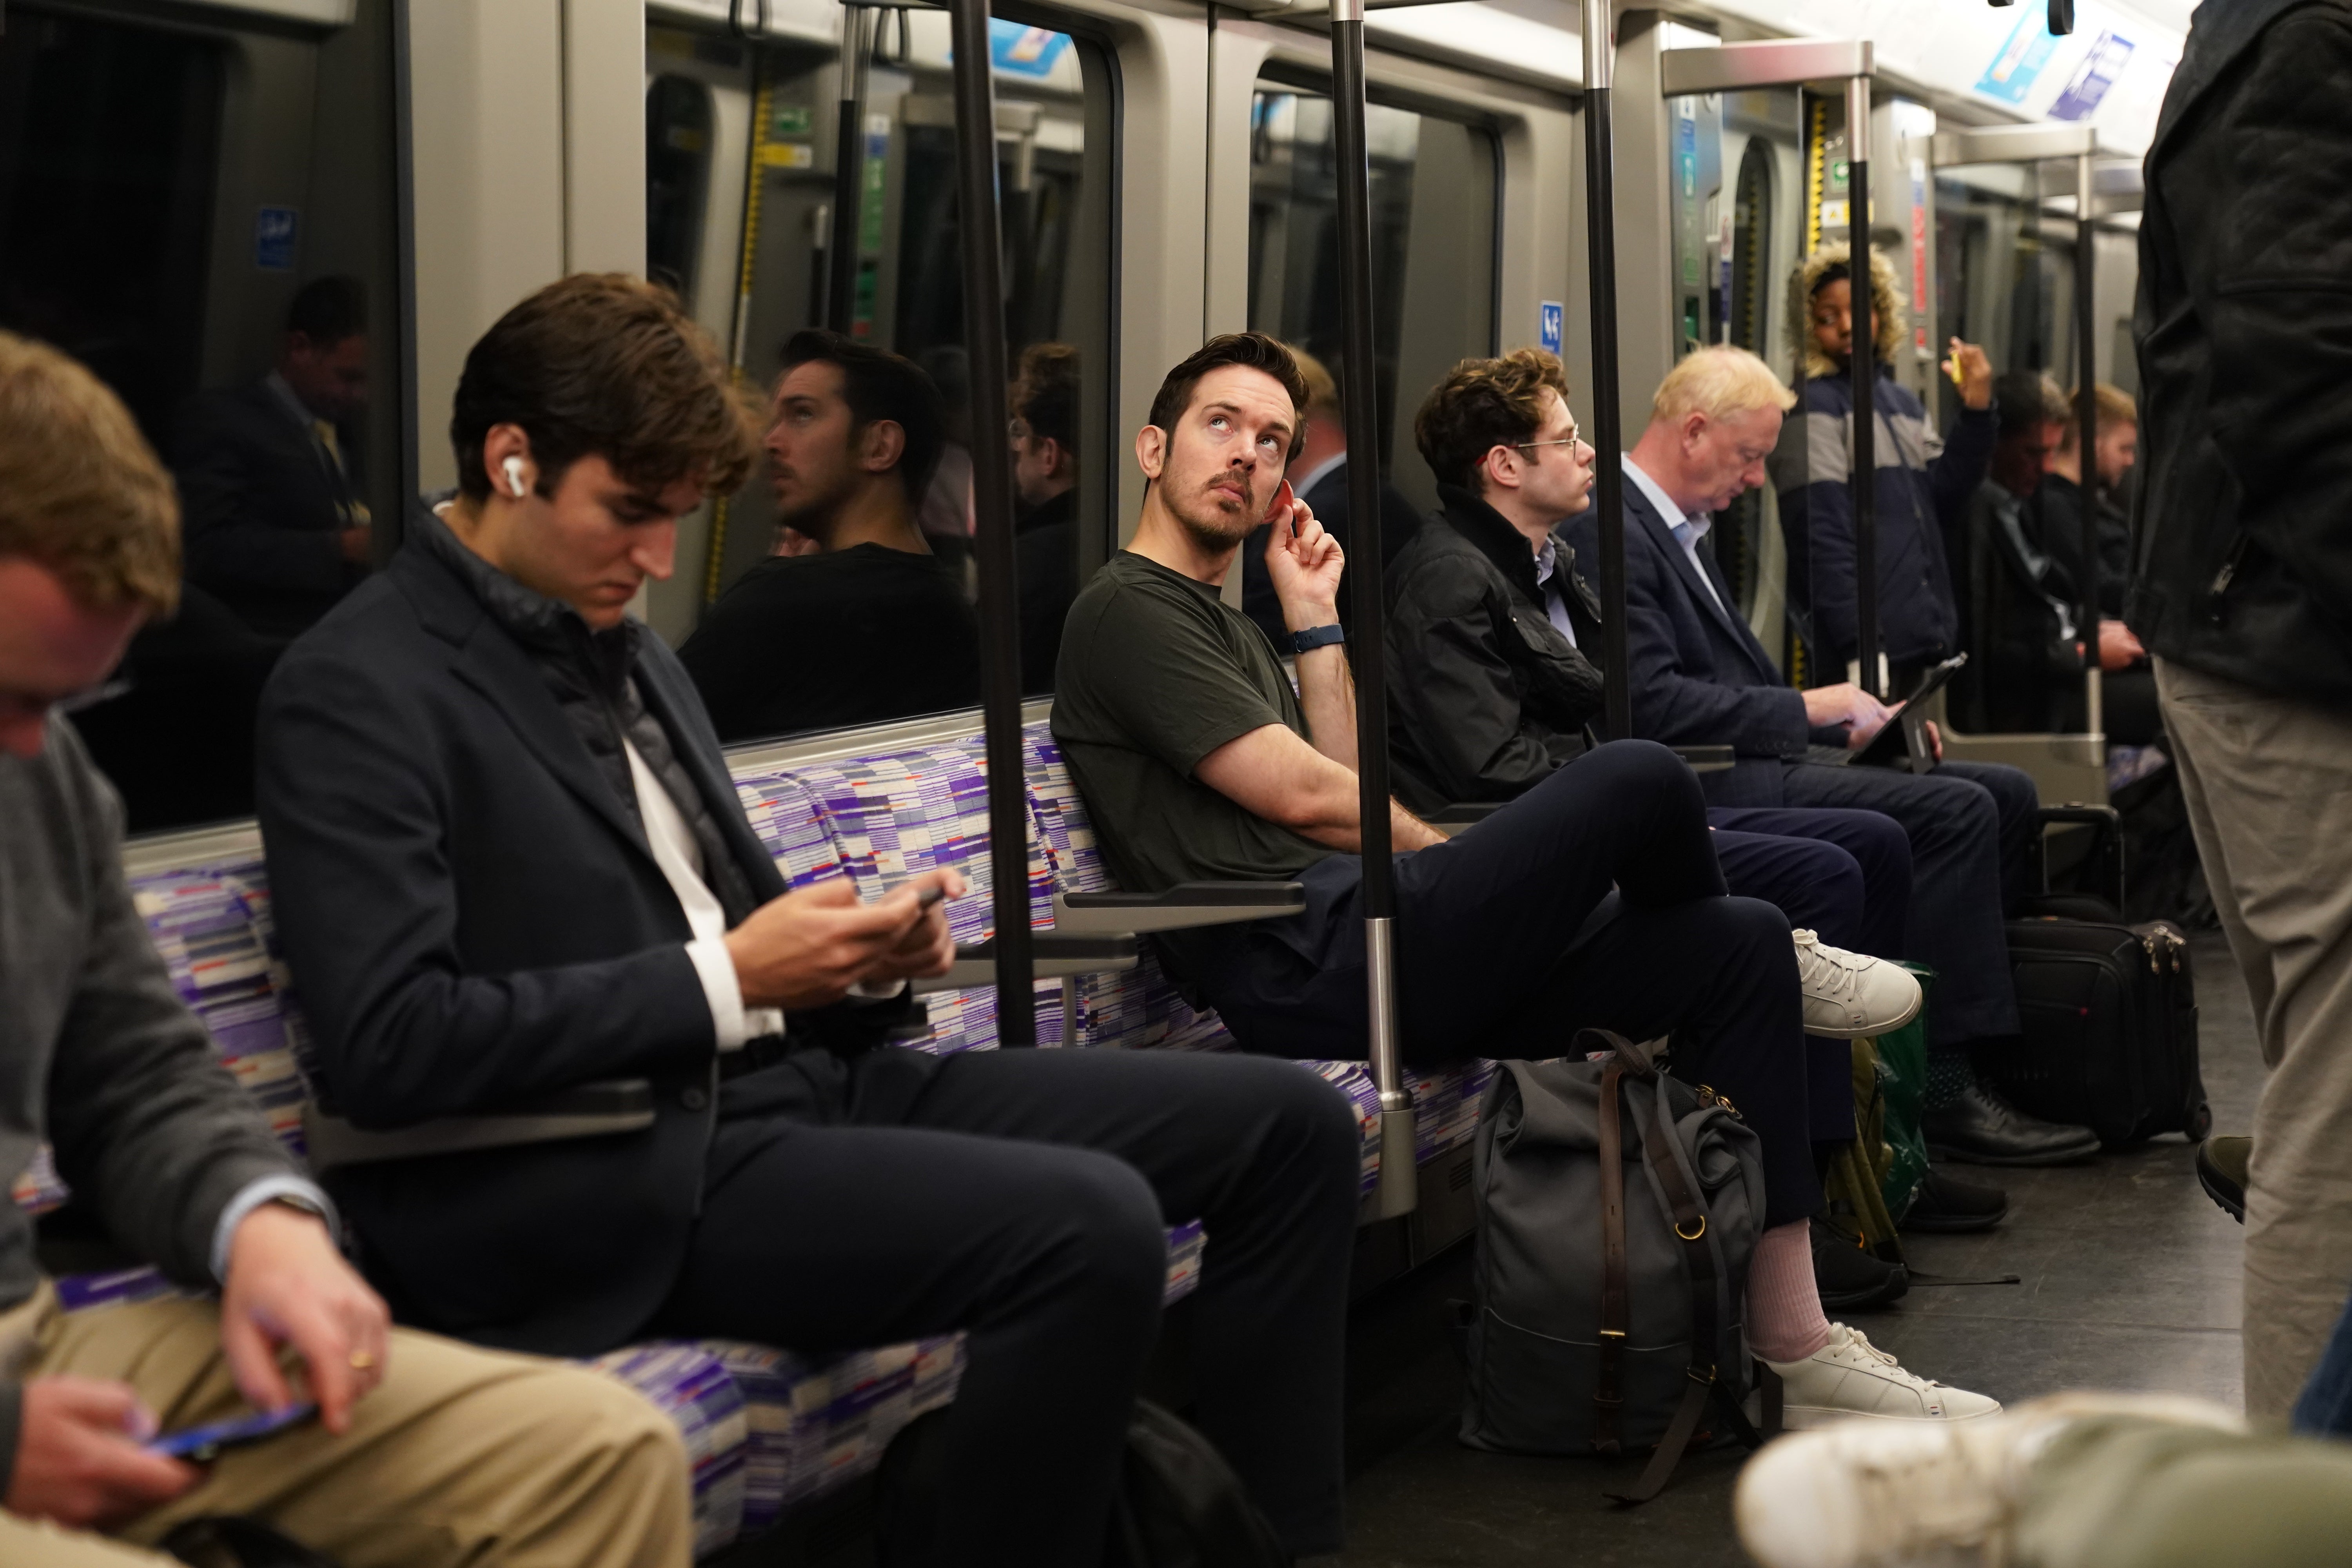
<point>1923,485</point>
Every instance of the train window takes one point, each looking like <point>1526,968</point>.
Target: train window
<point>204,214</point>
<point>827,591</point>
<point>1433,215</point>
<point>677,178</point>
<point>2004,268</point>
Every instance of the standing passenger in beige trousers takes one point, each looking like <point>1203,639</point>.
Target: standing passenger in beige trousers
<point>425,1454</point>
<point>2269,786</point>
<point>2242,587</point>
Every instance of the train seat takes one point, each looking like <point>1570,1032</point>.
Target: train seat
<point>765,1428</point>
<point>882,817</point>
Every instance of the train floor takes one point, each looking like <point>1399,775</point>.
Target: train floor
<point>2128,1279</point>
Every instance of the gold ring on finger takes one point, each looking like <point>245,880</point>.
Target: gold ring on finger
<point>362,1361</point>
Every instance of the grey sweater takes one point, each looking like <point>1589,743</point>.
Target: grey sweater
<point>97,1053</point>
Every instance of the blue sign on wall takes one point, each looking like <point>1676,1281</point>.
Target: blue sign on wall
<point>2010,76</point>
<point>1017,50</point>
<point>273,239</point>
<point>2100,69</point>
<point>1551,314</point>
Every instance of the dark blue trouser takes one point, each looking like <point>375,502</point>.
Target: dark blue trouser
<point>1846,875</point>
<point>1021,1197</point>
<point>1499,954</point>
<point>1970,826</point>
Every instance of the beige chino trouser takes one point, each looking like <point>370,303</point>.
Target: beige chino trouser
<point>2268,781</point>
<point>460,1456</point>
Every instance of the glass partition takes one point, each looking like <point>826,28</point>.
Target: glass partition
<point>204,213</point>
<point>816,598</point>
<point>1433,218</point>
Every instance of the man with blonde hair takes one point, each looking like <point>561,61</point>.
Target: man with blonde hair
<point>424,1452</point>
<point>1698,677</point>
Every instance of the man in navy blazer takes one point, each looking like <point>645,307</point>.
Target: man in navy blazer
<point>1698,677</point>
<point>508,864</point>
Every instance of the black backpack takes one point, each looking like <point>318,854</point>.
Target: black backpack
<point>1180,1505</point>
<point>1618,1207</point>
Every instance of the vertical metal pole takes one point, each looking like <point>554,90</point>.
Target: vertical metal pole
<point>1607,426</point>
<point>991,479</point>
<point>858,27</point>
<point>1398,1176</point>
<point>1865,366</point>
<point>2086,412</point>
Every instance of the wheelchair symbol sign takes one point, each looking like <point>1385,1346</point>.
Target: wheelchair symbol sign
<point>1552,314</point>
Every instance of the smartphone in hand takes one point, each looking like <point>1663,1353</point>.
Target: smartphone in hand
<point>202,1445</point>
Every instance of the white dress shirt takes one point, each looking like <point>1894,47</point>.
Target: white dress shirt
<point>1687,531</point>
<point>1555,596</point>
<point>680,860</point>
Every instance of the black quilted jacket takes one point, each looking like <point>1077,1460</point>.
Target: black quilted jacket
<point>1486,697</point>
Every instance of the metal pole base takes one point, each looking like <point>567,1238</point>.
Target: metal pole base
<point>1399,1192</point>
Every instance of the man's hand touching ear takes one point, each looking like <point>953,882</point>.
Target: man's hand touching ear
<point>1303,562</point>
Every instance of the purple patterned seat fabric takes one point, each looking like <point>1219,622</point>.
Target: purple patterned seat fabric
<point>766,1429</point>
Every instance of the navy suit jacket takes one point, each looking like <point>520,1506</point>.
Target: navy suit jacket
<point>474,919</point>
<point>1696,674</point>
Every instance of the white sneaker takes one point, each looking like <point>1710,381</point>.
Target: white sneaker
<point>1883,1494</point>
<point>1848,996</point>
<point>1850,1377</point>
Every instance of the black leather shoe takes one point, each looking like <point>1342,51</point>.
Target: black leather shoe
<point>2221,1171</point>
<point>1951,1206</point>
<point>1849,1278</point>
<point>1982,1129</point>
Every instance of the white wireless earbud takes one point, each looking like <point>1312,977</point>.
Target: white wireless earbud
<point>515,487</point>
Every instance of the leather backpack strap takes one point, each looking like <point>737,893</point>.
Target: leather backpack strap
<point>1698,1261</point>
<point>1609,1376</point>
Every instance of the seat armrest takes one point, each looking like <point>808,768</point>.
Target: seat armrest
<point>1180,908</point>
<point>586,1111</point>
<point>1707,759</point>
<point>1054,955</point>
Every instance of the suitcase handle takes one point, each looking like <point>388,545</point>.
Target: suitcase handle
<point>2106,857</point>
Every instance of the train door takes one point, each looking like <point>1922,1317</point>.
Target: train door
<point>744,153</point>
<point>200,204</point>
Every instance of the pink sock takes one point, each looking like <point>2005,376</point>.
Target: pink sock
<point>1785,1322</point>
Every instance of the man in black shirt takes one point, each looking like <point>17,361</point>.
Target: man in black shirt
<point>2129,708</point>
<point>1046,474</point>
<point>874,626</point>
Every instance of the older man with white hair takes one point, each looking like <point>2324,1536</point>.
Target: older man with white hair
<point>1699,677</point>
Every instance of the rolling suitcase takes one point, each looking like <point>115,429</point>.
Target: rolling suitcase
<point>2108,1012</point>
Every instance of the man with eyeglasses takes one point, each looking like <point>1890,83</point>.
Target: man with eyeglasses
<point>1493,645</point>
<point>1698,677</point>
